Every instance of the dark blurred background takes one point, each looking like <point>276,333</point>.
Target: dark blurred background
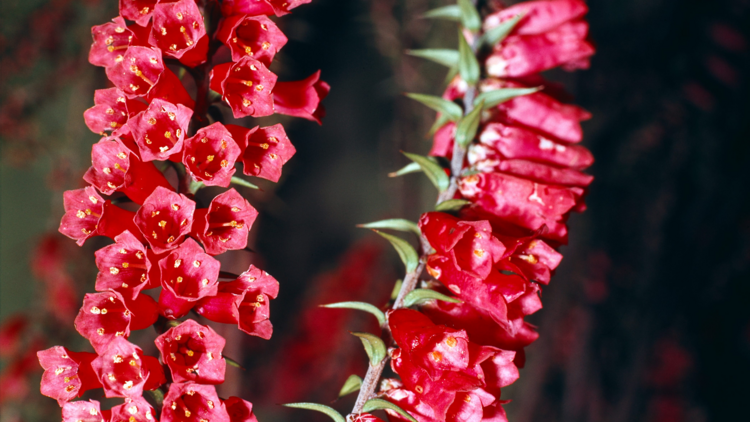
<point>647,318</point>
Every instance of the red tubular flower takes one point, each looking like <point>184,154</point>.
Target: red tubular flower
<point>160,130</point>
<point>266,150</point>
<point>533,259</point>
<point>244,301</point>
<point>111,110</point>
<point>442,145</point>
<point>82,411</point>
<point>475,406</point>
<point>137,72</point>
<point>193,353</point>
<point>411,403</point>
<point>254,36</point>
<point>246,86</point>
<point>187,275</point>
<point>110,42</point>
<point>121,369</point>
<point>88,214</point>
<point>191,402</point>
<point>225,223</point>
<point>123,266</point>
<point>210,155</point>
<point>240,410</point>
<point>302,98</point>
<point>66,374</point>
<point>500,371</point>
<point>177,27</point>
<point>539,16</point>
<point>260,7</point>
<point>169,88</point>
<point>139,11</point>
<point>105,316</point>
<point>470,244</point>
<point>164,219</point>
<point>116,168</point>
<point>10,333</point>
<point>133,410</point>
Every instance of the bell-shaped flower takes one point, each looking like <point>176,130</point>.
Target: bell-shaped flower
<point>246,86</point>
<point>111,40</point>
<point>87,214</point>
<point>82,411</point>
<point>193,353</point>
<point>164,219</point>
<point>260,7</point>
<point>187,275</point>
<point>191,402</point>
<point>177,27</point>
<point>139,11</point>
<point>254,36</point>
<point>240,410</point>
<point>123,266</point>
<point>538,16</point>
<point>66,374</point>
<point>135,409</point>
<point>475,406</point>
<point>225,223</point>
<point>123,369</point>
<point>210,155</point>
<point>137,72</point>
<point>302,98</point>
<point>265,150</point>
<point>111,110</point>
<point>160,130</point>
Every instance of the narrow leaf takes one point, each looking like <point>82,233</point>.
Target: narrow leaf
<point>362,306</point>
<point>452,13</point>
<point>499,96</point>
<point>467,127</point>
<point>434,172</point>
<point>441,105</point>
<point>451,205</point>
<point>405,251</point>
<point>418,296</point>
<point>336,416</point>
<point>232,362</point>
<point>242,182</point>
<point>409,168</point>
<point>396,288</point>
<point>444,56</point>
<point>399,224</point>
<point>352,384</point>
<point>375,404</point>
<point>498,33</point>
<point>374,347</point>
<point>468,66</point>
<point>469,16</point>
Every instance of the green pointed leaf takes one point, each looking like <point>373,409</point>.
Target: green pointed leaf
<point>336,416</point>
<point>498,33</point>
<point>374,347</point>
<point>499,96</point>
<point>362,306</point>
<point>441,105</point>
<point>232,362</point>
<point>418,296</point>
<point>396,288</point>
<point>434,172</point>
<point>468,66</point>
<point>443,56</point>
<point>469,16</point>
<point>242,182</point>
<point>375,404</point>
<point>451,205</point>
<point>399,224</point>
<point>467,127</point>
<point>352,384</point>
<point>405,251</point>
<point>157,395</point>
<point>451,13</point>
<point>409,168</point>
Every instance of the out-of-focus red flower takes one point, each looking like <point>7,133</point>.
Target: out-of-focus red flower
<point>11,330</point>
<point>225,223</point>
<point>246,86</point>
<point>66,374</point>
<point>193,353</point>
<point>302,98</point>
<point>210,155</point>
<point>164,219</point>
<point>254,36</point>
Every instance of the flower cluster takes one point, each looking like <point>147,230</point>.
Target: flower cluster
<point>155,53</point>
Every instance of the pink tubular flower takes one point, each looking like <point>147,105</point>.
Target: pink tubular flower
<point>210,155</point>
<point>111,110</point>
<point>160,130</point>
<point>265,150</point>
<point>254,36</point>
<point>187,275</point>
<point>82,411</point>
<point>66,374</point>
<point>177,27</point>
<point>302,98</point>
<point>240,410</point>
<point>225,223</point>
<point>246,86</point>
<point>137,72</point>
<point>121,369</point>
<point>87,214</point>
<point>110,42</point>
<point>260,7</point>
<point>133,410</point>
<point>191,402</point>
<point>539,16</point>
<point>123,266</point>
<point>193,353</point>
<point>116,168</point>
<point>164,219</point>
<point>366,417</point>
<point>244,301</point>
<point>139,11</point>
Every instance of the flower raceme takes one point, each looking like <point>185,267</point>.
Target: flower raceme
<point>159,146</point>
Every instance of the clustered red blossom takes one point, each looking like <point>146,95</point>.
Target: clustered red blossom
<point>524,179</point>
<point>169,241</point>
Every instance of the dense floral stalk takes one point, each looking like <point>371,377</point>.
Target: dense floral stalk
<point>169,240</point>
